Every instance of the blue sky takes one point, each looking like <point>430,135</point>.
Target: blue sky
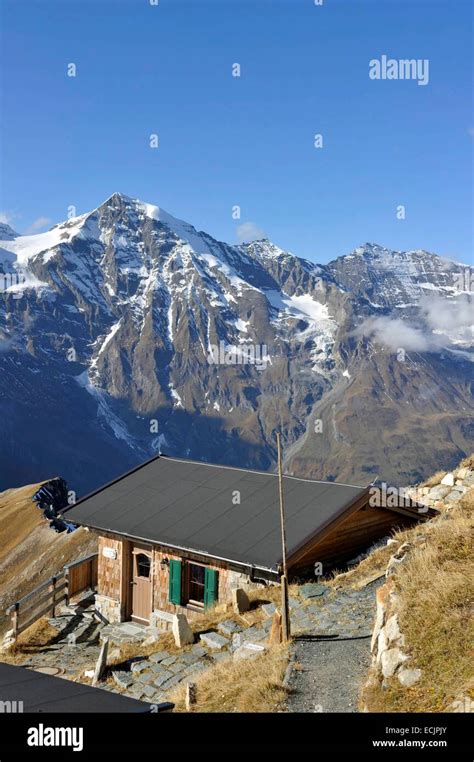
<point>246,141</point>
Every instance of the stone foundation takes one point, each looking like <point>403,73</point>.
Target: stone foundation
<point>161,620</point>
<point>237,579</point>
<point>108,608</point>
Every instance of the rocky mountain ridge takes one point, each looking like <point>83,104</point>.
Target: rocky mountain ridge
<point>125,331</point>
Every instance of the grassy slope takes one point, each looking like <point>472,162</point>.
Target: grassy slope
<point>245,685</point>
<point>31,552</point>
<point>435,597</point>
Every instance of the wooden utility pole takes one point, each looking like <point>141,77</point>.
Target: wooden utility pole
<point>285,609</point>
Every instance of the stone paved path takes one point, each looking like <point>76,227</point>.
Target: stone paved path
<point>331,661</point>
<point>75,648</point>
<point>151,678</point>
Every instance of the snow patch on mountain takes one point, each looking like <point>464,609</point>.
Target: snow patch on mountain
<point>103,343</point>
<point>104,411</point>
<point>26,247</point>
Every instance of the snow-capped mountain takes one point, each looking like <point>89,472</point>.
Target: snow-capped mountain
<point>125,331</point>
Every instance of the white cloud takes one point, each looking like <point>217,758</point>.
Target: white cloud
<point>38,224</point>
<point>249,231</point>
<point>443,322</point>
<point>447,314</point>
<point>394,333</point>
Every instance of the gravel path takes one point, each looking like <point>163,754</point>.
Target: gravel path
<point>328,671</point>
<point>329,674</point>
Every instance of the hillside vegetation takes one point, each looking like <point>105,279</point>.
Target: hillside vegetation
<point>433,588</point>
<point>31,552</point>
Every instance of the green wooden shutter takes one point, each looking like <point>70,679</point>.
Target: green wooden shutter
<point>175,582</point>
<point>210,587</point>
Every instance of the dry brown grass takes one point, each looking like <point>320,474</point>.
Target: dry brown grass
<point>373,566</point>
<point>31,552</point>
<point>35,639</point>
<point>272,593</point>
<point>468,462</point>
<point>432,481</point>
<point>435,605</point>
<point>244,685</point>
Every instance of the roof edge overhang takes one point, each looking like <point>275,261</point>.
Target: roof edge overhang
<point>348,509</point>
<point>415,511</point>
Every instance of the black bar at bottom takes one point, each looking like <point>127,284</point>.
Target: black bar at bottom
<point>96,735</point>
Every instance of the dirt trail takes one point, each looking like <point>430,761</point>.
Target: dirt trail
<point>329,676</point>
<point>329,671</point>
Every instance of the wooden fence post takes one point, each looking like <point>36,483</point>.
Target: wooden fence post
<point>101,662</point>
<point>15,621</point>
<point>53,592</point>
<point>191,697</point>
<point>66,578</point>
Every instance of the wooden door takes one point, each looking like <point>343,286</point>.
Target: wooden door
<point>141,584</point>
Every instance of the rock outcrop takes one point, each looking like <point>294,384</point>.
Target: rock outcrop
<point>391,657</point>
<point>447,489</point>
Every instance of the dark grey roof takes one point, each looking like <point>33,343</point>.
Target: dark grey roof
<point>189,505</point>
<point>44,693</point>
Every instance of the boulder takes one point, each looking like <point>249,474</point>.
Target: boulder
<point>182,632</point>
<point>379,617</point>
<point>382,645</point>
<point>408,677</point>
<point>437,493</point>
<point>391,660</point>
<point>392,631</point>
<point>392,565</point>
<point>214,640</point>
<point>448,480</point>
<point>8,640</point>
<point>228,627</point>
<point>150,640</point>
<point>240,601</point>
<point>313,590</point>
<point>453,496</point>
<point>123,679</point>
<point>248,650</point>
<point>403,548</point>
<point>463,704</point>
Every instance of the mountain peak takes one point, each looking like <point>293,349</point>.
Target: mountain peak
<point>118,196</point>
<point>371,247</point>
<point>180,227</point>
